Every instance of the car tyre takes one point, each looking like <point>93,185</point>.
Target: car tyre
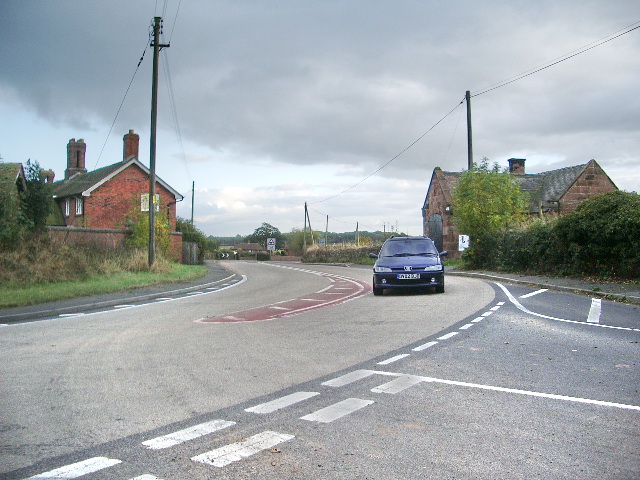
<point>440,289</point>
<point>376,290</point>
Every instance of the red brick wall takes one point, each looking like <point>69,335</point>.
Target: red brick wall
<point>108,205</point>
<point>593,181</point>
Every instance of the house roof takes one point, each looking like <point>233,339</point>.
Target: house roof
<point>543,188</point>
<point>85,183</point>
<point>12,174</point>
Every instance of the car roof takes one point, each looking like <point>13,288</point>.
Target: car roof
<point>392,239</point>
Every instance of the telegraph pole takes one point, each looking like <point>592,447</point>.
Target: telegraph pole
<point>469,136</point>
<point>157,21</point>
<point>193,192</point>
<point>304,232</point>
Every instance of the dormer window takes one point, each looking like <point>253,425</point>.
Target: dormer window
<point>67,207</point>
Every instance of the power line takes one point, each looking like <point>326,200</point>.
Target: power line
<point>383,166</point>
<point>122,103</point>
<point>563,58</point>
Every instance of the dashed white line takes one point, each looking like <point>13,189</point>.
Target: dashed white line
<point>146,476</point>
<point>78,469</point>
<point>337,410</point>
<point>448,336</point>
<point>468,325</point>
<point>398,385</point>
<point>223,456</point>
<point>281,402</point>
<point>542,290</point>
<point>187,434</point>
<point>348,378</point>
<point>393,359</point>
<point>477,319</point>
<point>425,346</point>
<point>594,311</point>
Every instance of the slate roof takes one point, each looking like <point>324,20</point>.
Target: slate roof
<point>83,184</point>
<point>547,187</point>
<point>544,188</point>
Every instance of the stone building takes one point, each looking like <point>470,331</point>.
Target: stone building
<point>555,192</point>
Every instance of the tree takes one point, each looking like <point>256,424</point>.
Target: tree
<point>192,234</point>
<point>487,201</point>
<point>37,202</point>
<point>265,231</point>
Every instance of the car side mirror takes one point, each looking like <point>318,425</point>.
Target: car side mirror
<point>373,255</point>
<point>444,253</point>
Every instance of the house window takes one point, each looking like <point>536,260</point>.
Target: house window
<point>67,206</point>
<point>79,204</point>
<point>144,202</point>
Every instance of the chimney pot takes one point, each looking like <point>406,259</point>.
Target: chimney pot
<point>516,165</point>
<point>131,141</point>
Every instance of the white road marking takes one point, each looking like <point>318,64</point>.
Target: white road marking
<point>398,385</point>
<point>486,314</point>
<point>234,452</point>
<point>281,402</point>
<point>187,434</point>
<point>76,470</point>
<point>448,336</point>
<point>425,346</point>
<point>146,476</point>
<point>526,310</point>
<point>337,410</point>
<point>542,290</point>
<point>393,359</point>
<point>348,378</point>
<point>497,307</point>
<point>552,396</point>
<point>278,308</point>
<point>67,315</point>
<point>594,311</point>
<point>477,319</point>
<point>468,325</point>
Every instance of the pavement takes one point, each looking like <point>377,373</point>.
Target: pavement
<point>628,292</point>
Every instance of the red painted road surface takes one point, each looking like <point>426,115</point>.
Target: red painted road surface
<point>340,290</point>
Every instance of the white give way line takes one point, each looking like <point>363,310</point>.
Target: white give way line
<point>593,319</point>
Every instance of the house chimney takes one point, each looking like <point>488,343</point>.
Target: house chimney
<point>516,166</point>
<point>75,158</point>
<point>47,175</point>
<point>130,149</point>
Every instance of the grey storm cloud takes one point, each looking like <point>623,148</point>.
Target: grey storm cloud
<point>346,84</point>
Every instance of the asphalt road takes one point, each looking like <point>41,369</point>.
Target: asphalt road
<point>484,381</point>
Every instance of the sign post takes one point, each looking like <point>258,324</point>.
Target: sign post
<point>271,245</point>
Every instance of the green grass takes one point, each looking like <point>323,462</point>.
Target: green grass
<point>15,295</point>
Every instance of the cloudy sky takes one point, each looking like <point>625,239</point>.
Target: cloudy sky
<point>266,105</point>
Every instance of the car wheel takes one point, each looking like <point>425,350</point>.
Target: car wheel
<point>440,289</point>
<point>376,290</point>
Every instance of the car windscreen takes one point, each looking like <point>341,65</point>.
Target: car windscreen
<point>399,248</point>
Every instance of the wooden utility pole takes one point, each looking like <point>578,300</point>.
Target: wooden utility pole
<point>469,136</point>
<point>193,192</point>
<point>157,21</point>
<point>304,232</point>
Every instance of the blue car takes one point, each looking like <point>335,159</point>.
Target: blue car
<point>408,262</point>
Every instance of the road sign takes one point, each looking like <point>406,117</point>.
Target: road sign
<point>271,243</point>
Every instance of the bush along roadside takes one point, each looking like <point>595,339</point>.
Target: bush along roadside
<point>601,239</point>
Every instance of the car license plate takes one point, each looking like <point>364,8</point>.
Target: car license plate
<point>408,276</point>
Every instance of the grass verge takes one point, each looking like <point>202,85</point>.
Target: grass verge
<point>16,295</point>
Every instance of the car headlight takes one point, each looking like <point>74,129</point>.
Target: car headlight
<point>381,269</point>
<point>433,268</point>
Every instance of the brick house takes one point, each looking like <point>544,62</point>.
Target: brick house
<point>555,192</point>
<point>103,198</point>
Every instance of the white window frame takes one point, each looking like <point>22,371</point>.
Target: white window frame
<point>67,207</point>
<point>79,205</point>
